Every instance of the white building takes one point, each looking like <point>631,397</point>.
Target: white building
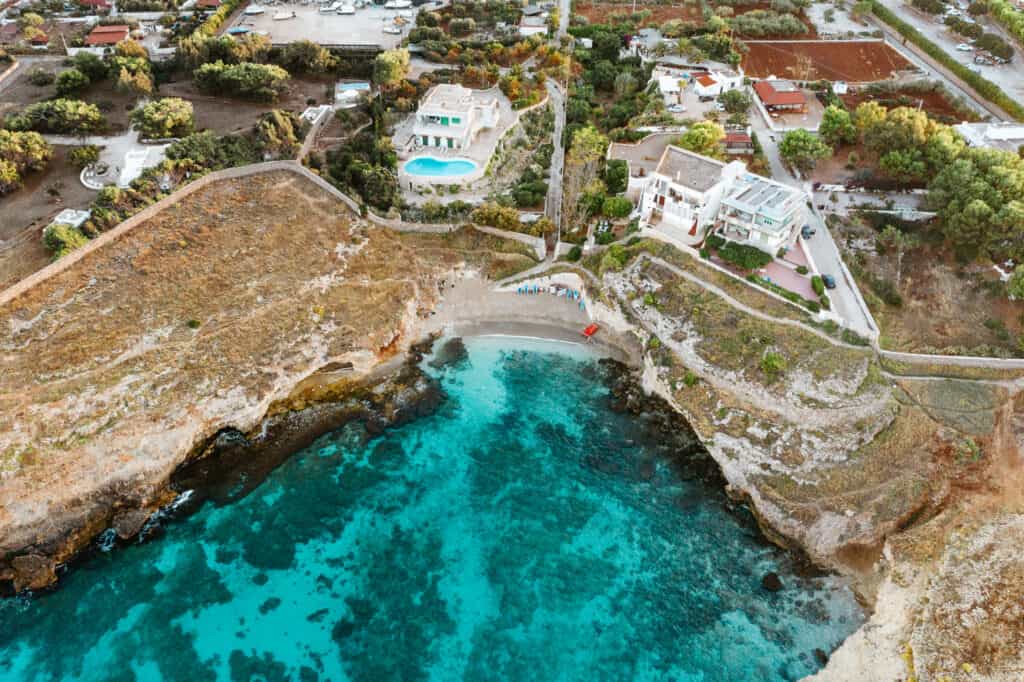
<point>671,87</point>
<point>714,84</point>
<point>760,212</point>
<point>70,216</point>
<point>451,116</point>
<point>1006,136</point>
<point>683,193</point>
<point>533,26</point>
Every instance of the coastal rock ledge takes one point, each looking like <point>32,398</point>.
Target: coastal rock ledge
<point>208,317</point>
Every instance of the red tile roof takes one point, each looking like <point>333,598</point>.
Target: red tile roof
<point>208,3</point>
<point>40,39</point>
<point>738,138</point>
<point>773,98</point>
<point>107,35</point>
<point>706,80</point>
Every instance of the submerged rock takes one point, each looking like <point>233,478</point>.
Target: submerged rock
<point>451,354</point>
<point>771,582</point>
<point>129,522</point>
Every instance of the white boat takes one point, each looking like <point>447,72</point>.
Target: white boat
<point>330,9</point>
<point>253,10</point>
<point>393,30</point>
<point>398,4</point>
<point>346,9</point>
<point>283,16</point>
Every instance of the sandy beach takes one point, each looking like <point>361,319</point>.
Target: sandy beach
<point>473,306</point>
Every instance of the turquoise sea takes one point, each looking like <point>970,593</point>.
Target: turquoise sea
<point>524,531</point>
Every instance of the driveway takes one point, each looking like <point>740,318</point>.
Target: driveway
<point>846,299</point>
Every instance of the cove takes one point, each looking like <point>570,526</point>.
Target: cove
<point>528,529</point>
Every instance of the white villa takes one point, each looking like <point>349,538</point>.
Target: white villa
<point>451,116</point>
<point>761,212</point>
<point>687,195</point>
<point>684,191</point>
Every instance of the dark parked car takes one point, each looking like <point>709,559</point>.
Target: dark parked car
<point>806,232</point>
<point>829,281</point>
<point>707,98</point>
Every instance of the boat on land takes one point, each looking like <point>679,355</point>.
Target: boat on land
<point>331,8</point>
<point>590,330</point>
<point>398,4</point>
<point>253,10</point>
<point>346,9</point>
<point>283,16</point>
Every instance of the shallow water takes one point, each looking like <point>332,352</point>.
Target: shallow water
<point>524,531</point>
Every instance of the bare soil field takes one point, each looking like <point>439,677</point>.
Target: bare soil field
<point>858,61</point>
<point>935,104</point>
<point>18,93</point>
<point>232,115</point>
<point>21,93</point>
<point>946,307</point>
<point>26,211</point>
<point>598,12</point>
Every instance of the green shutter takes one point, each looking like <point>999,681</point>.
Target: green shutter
<point>456,120</point>
<point>451,143</point>
<point>444,120</point>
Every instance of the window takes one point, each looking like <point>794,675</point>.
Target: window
<point>456,120</point>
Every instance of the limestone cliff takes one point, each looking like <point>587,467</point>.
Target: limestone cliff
<point>119,367</point>
<point>909,485</point>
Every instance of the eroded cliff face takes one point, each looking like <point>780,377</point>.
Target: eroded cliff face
<point>201,319</point>
<point>905,484</point>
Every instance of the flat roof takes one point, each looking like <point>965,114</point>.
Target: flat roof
<point>689,169</point>
<point>755,194</point>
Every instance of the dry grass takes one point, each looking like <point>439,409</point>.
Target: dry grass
<point>195,319</point>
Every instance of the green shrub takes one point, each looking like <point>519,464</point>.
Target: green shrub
<point>773,364</point>
<point>82,156</point>
<point>616,207</point>
<point>714,241</point>
<point>61,239</point>
<point>801,269</point>
<point>826,302</point>
<point>818,285</point>
<point>690,379</point>
<point>40,77</point>
<point>575,253</point>
<point>71,82</point>
<point>743,255</point>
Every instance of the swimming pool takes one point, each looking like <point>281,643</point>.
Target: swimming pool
<point>431,167</point>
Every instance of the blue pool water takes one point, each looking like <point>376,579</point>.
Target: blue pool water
<point>435,168</point>
<point>524,531</point>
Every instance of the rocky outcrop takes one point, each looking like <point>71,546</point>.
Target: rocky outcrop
<point>904,484</point>
<point>215,313</point>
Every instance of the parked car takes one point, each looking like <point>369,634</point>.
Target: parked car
<point>707,98</point>
<point>964,47</point>
<point>807,232</point>
<point>677,108</point>
<point>829,281</point>
<point>719,106</point>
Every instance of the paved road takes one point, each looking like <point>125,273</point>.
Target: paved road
<point>1009,77</point>
<point>846,300</point>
